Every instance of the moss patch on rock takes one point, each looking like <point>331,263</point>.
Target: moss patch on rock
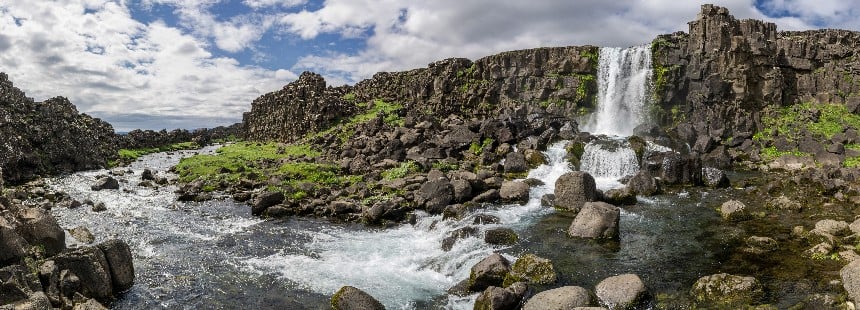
<point>533,269</point>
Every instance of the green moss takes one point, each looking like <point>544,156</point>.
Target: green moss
<point>349,96</point>
<point>476,148</point>
<point>445,166</point>
<point>531,268</point>
<point>345,128</point>
<point>771,153</point>
<point>585,81</point>
<point>852,162</point>
<point>789,122</point>
<point>592,55</point>
<point>129,155</point>
<point>403,170</point>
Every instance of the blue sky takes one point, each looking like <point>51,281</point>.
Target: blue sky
<point>199,63</point>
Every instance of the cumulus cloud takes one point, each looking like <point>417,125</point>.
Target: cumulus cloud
<point>111,66</point>
<point>258,4</point>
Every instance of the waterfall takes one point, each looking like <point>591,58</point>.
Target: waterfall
<point>623,82</point>
<point>609,160</point>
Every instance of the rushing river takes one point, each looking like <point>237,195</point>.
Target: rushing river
<point>216,255</point>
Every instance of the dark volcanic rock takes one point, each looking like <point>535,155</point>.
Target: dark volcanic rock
<point>266,200</point>
<point>105,183</point>
<point>118,256</point>
<point>40,228</point>
<point>88,264</point>
<point>435,195</point>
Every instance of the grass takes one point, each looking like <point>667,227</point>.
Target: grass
<point>129,155</point>
<point>789,122</point>
<point>476,148</point>
<point>771,153</point>
<point>344,129</point>
<point>403,170</point>
<point>259,162</point>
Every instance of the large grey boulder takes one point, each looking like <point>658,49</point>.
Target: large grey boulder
<point>850,275</point>
<point>39,228</point>
<point>351,298</point>
<point>91,267</point>
<point>562,298</point>
<point>626,291</point>
<point>514,191</point>
<point>532,269</point>
<point>105,183</point>
<point>726,290</point>
<point>497,298</point>
<point>266,200</point>
<point>596,220</point>
<point>119,259</point>
<point>490,271</point>
<point>644,184</point>
<point>515,162</point>
<point>573,190</point>
<point>435,195</point>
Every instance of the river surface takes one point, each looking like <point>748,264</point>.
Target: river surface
<point>215,255</point>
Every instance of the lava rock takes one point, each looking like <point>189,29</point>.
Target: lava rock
<point>497,298</point>
<point>643,183</point>
<point>597,220</point>
<point>483,219</point>
<point>38,227</point>
<point>734,210</point>
<point>11,244</point>
<point>620,196</point>
<point>351,298</point>
<point>714,177</point>
<point>435,195</point>
<point>515,162</point>
<point>105,183</point>
<point>82,234</point>
<point>624,291</point>
<point>119,259</point>
<point>460,233</point>
<point>147,175</point>
<point>91,267</point>
<point>573,190</point>
<point>547,200</point>
<point>266,200</point>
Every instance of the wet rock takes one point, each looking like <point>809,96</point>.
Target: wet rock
<point>726,290</point>
<point>714,177</point>
<point>40,228</point>
<point>49,276</point>
<point>626,291</point>
<point>514,191</point>
<point>105,183</point>
<point>69,204</point>
<point>341,207</point>
<point>456,212</point>
<point>531,268</point>
<point>266,200</point>
<point>792,163</point>
<point>501,236</point>
<point>534,158</point>
<point>82,234</point>
<point>760,245</point>
<point>119,259</point>
<point>456,235</point>
<point>643,183</point>
<point>598,220</point>
<point>562,298</point>
<point>242,196</point>
<point>91,267</point>
<point>573,190</point>
<point>734,210</point>
<point>351,298</point>
<point>491,195</point>
<point>99,207</point>
<point>435,195</point>
<point>620,196</point>
<point>497,298</point>
<point>515,162</point>
<point>36,301</point>
<point>547,200</point>
<point>147,175</point>
<point>490,271</point>
<point>483,219</point>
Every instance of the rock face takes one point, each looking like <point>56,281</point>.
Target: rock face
<point>625,291</point>
<point>40,138</point>
<point>351,298</point>
<point>598,220</point>
<point>562,298</point>
<point>729,70</point>
<point>574,189</point>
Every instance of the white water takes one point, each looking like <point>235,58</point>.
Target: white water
<point>609,160</point>
<point>406,264</point>
<point>623,82</point>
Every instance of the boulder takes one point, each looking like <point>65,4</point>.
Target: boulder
<point>90,266</point>
<point>49,276</point>
<point>562,298</point>
<point>734,210</point>
<point>832,227</point>
<point>147,175</point>
<point>462,190</point>
<point>598,220</point>
<point>11,244</point>
<point>760,245</point>
<point>490,271</point>
<point>435,195</point>
<point>90,304</point>
<point>726,290</point>
<point>643,183</point>
<point>105,183</point>
<point>490,195</point>
<point>99,207</point>
<point>119,259</point>
<point>573,190</point>
<point>547,200</point>
<point>351,298</point>
<point>497,298</point>
<point>36,301</point>
<point>534,158</point>
<point>515,162</point>
<point>850,275</point>
<point>714,177</point>
<point>82,234</point>
<point>620,196</point>
<point>39,228</point>
<point>17,284</point>
<point>266,200</point>
<point>626,291</point>
<point>501,236</point>
<point>514,191</point>
<point>531,268</point>
<point>483,219</point>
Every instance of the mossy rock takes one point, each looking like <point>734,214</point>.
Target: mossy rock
<point>638,145</point>
<point>532,269</point>
<point>726,290</point>
<point>501,236</point>
<point>534,158</point>
<point>575,149</point>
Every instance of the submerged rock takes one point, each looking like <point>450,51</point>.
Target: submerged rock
<point>82,234</point>
<point>734,210</point>
<point>562,298</point>
<point>351,298</point>
<point>714,177</point>
<point>727,290</point>
<point>573,190</point>
<point>626,291</point>
<point>266,200</point>
<point>644,184</point>
<point>597,220</point>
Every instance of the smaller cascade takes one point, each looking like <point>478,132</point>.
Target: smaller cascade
<point>609,160</point>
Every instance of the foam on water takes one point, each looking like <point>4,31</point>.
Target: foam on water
<point>608,161</point>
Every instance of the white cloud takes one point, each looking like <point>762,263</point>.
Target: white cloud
<point>114,67</point>
<point>259,4</point>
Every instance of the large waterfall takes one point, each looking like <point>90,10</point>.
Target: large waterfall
<point>623,82</point>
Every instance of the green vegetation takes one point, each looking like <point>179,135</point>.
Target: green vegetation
<point>259,162</point>
<point>591,55</point>
<point>476,148</point>
<point>130,155</point>
<point>445,166</point>
<point>403,170</point>
<point>852,162</point>
<point>771,153</point>
<point>349,97</point>
<point>344,129</point>
<point>821,120</point>
<point>585,80</point>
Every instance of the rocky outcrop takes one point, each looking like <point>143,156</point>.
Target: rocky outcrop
<point>39,138</point>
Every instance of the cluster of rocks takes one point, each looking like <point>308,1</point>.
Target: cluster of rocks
<point>40,138</point>
<point>39,271</point>
<point>140,139</point>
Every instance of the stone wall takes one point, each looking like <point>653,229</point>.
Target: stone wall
<point>557,80</point>
<point>712,83</point>
<point>48,137</point>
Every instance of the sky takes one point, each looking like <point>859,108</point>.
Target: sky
<point>154,64</point>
